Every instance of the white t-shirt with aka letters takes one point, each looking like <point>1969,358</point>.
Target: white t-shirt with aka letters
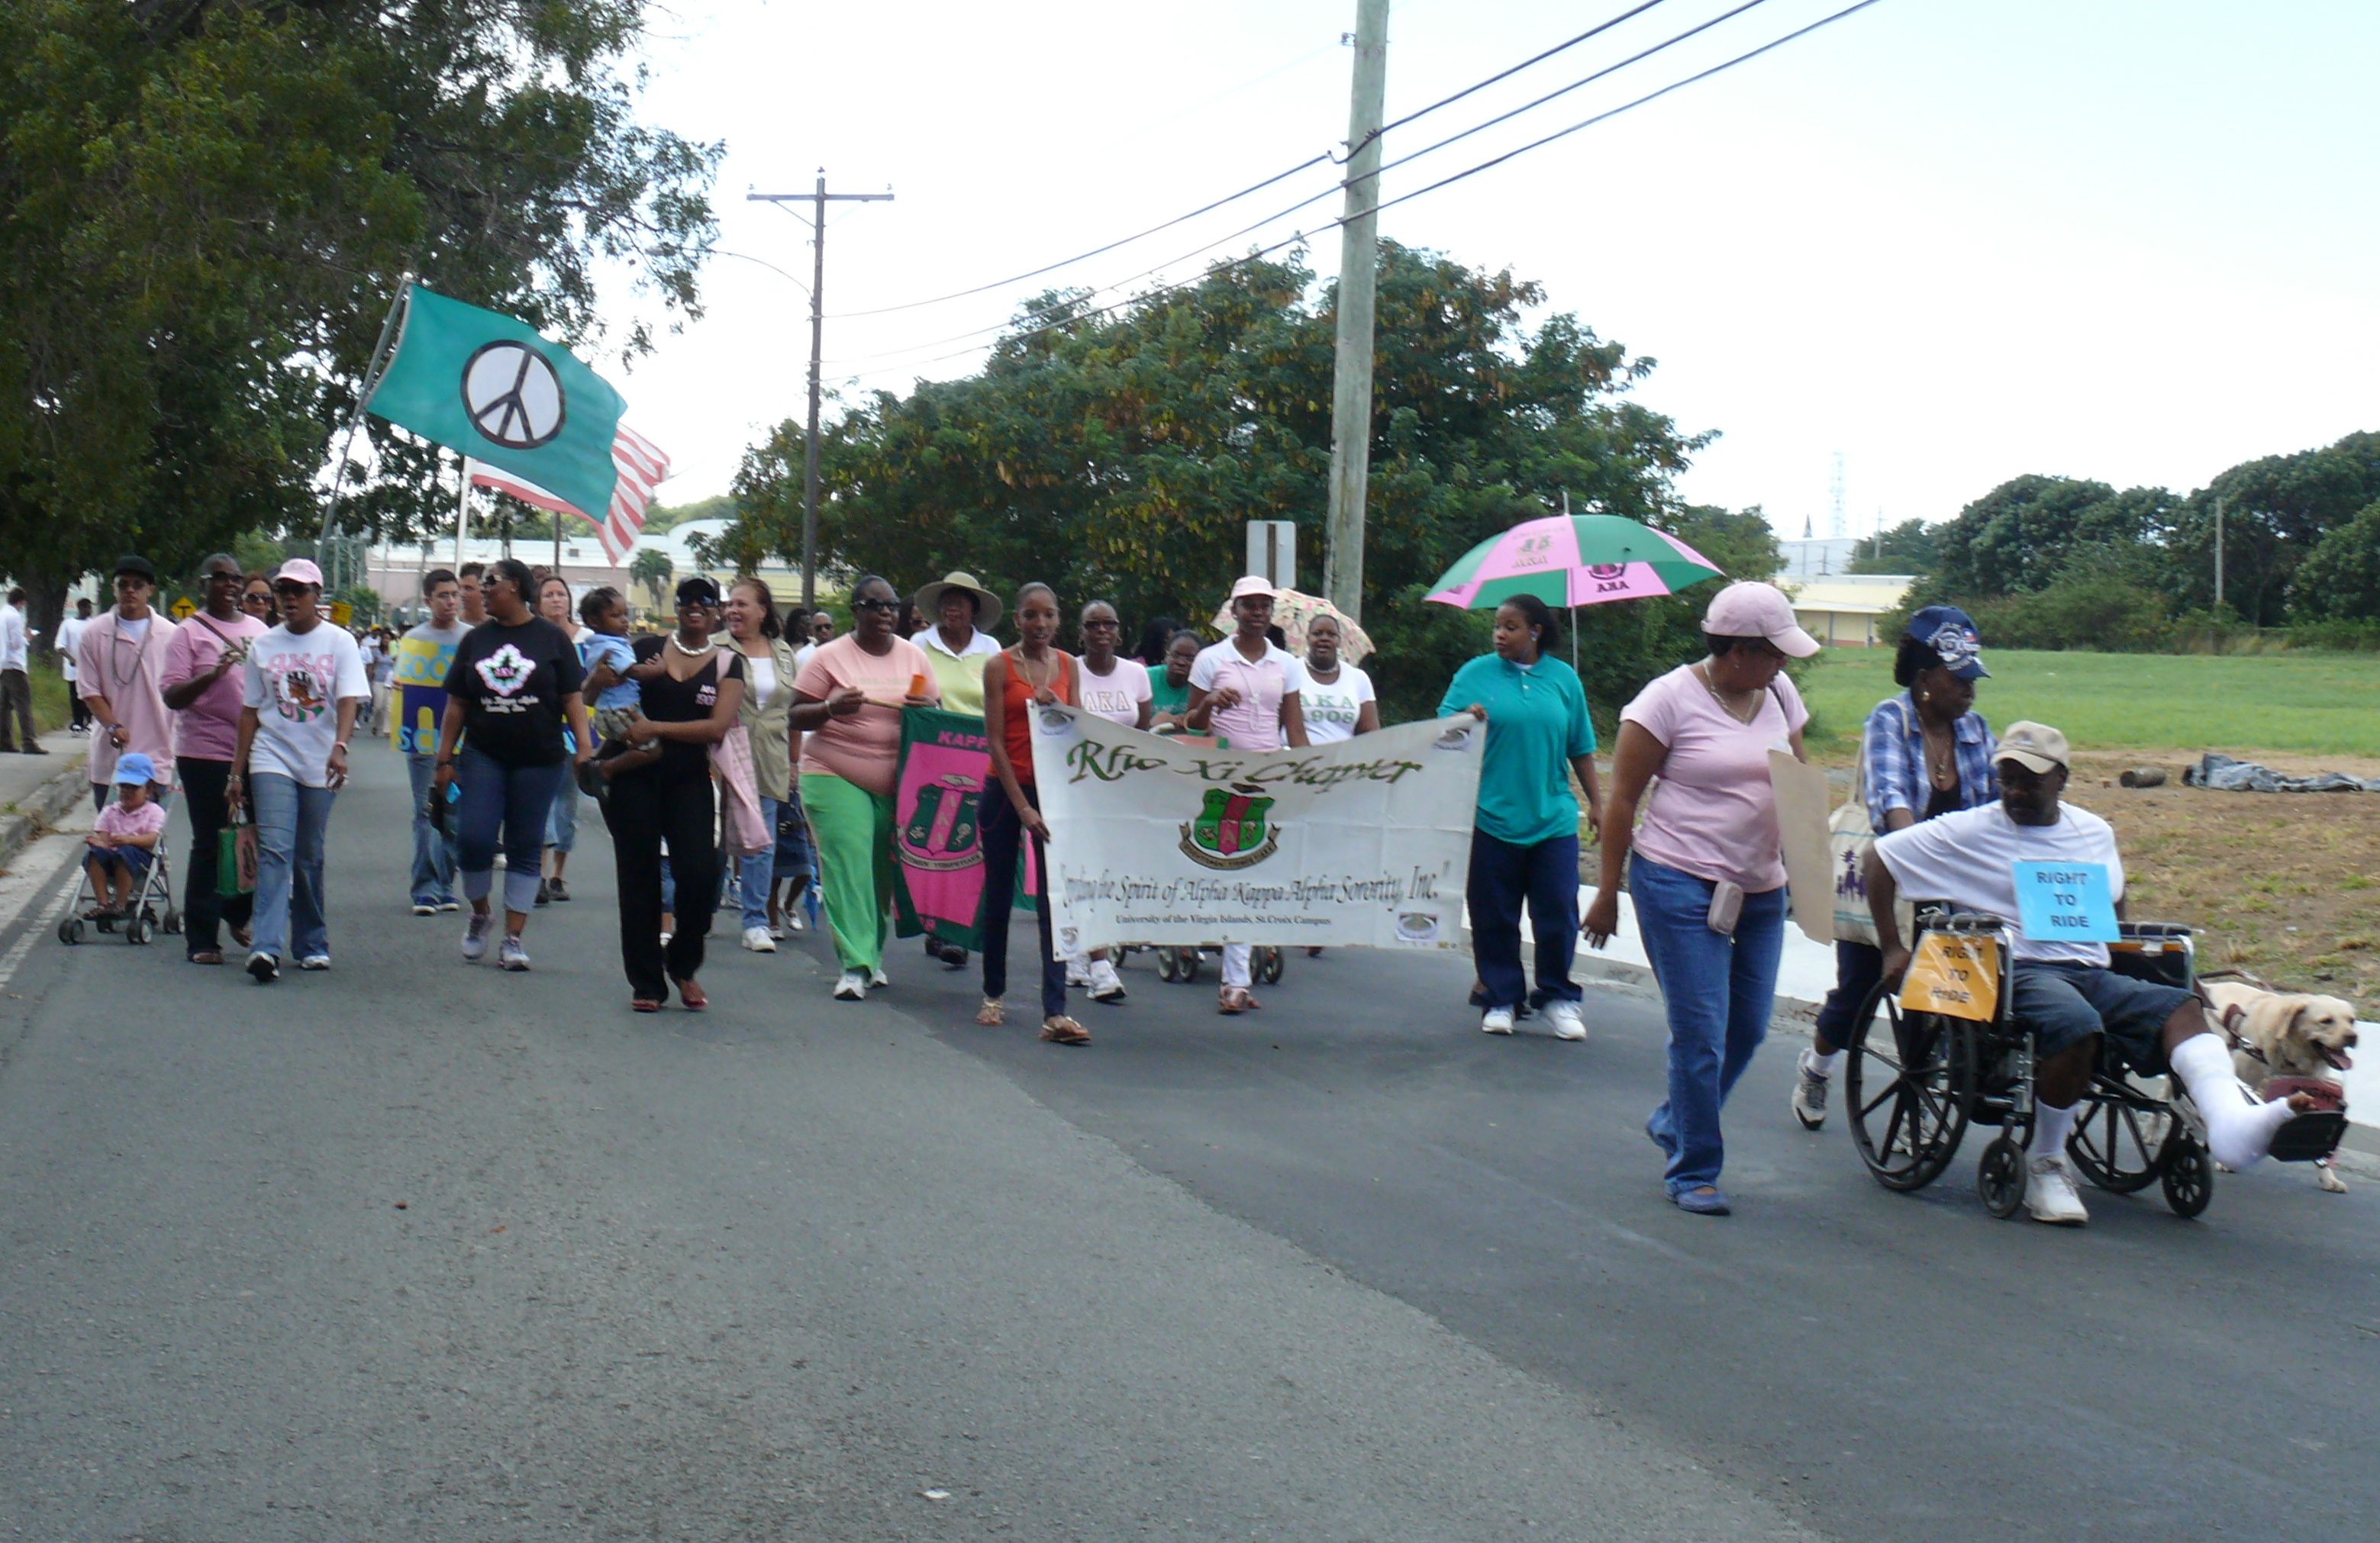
<point>1117,695</point>
<point>1969,858</point>
<point>1331,711</point>
<point>296,682</point>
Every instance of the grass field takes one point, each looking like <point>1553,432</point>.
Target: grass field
<point>2295,706</point>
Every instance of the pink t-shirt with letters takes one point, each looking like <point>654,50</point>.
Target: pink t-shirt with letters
<point>1714,813</point>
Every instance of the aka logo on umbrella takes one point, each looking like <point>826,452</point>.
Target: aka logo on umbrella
<point>1231,829</point>
<point>1610,578</point>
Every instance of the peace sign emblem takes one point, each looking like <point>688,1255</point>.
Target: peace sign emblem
<point>512,395</point>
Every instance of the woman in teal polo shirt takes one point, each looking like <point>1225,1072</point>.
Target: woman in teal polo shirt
<point>1524,845</point>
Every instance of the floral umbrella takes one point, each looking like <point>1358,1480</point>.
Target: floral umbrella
<point>1573,560</point>
<point>1293,611</point>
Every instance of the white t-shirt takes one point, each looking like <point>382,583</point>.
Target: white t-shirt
<point>760,679</point>
<point>12,638</point>
<point>1968,858</point>
<point>69,639</point>
<point>1332,710</point>
<point>1117,695</point>
<point>1254,722</point>
<point>802,656</point>
<point>296,682</point>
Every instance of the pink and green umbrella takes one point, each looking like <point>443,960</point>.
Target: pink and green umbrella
<point>1573,560</point>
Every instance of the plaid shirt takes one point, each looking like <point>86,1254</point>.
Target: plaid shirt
<point>1896,761</point>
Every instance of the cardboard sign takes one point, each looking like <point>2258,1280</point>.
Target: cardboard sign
<point>2066,902</point>
<point>1803,802</point>
<point>1957,977</point>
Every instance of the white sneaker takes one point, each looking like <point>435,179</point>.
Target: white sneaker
<point>1809,1093</point>
<point>1496,1020</point>
<point>2049,1194</point>
<point>425,908</point>
<point>475,935</point>
<point>878,979</point>
<point>853,987</point>
<point>1078,975</point>
<point>794,924</point>
<point>315,961</point>
<point>758,941</point>
<point>1569,1023</point>
<point>510,955</point>
<point>1106,984</point>
<point>777,930</point>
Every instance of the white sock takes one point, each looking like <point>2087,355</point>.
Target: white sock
<point>1823,1066</point>
<point>2239,1127</point>
<point>2050,1129</point>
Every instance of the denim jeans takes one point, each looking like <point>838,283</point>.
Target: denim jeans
<point>434,855</point>
<point>291,820</point>
<point>517,800</point>
<point>1858,968</point>
<point>562,826</point>
<point>1720,992</point>
<point>753,874</point>
<point>1503,877</point>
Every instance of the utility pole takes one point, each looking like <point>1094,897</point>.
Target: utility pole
<point>2218,552</point>
<point>1350,396</point>
<point>819,199</point>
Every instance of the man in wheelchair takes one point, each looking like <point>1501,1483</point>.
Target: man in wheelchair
<point>2062,990</point>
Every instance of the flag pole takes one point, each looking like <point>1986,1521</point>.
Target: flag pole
<point>462,514</point>
<point>382,351</point>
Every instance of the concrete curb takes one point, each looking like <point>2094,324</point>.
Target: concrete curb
<point>42,809</point>
<point>2359,1153</point>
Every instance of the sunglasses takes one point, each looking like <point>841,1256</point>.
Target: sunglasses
<point>1096,625</point>
<point>292,588</point>
<point>881,608</point>
<point>132,581</point>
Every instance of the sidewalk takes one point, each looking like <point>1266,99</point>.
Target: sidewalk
<point>36,789</point>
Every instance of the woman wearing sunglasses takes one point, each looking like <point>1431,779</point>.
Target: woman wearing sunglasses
<point>847,705</point>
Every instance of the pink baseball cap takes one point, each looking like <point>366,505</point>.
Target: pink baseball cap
<point>300,568</point>
<point>1755,609</point>
<point>1253,583</point>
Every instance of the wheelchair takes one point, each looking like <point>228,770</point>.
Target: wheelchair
<point>153,908</point>
<point>1915,1081</point>
<point>1180,966</point>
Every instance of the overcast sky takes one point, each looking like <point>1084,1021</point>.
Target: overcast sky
<point>1955,240</point>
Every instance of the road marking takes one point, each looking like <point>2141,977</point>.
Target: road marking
<point>40,919</point>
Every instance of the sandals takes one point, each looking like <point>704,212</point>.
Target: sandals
<point>102,913</point>
<point>1232,1001</point>
<point>991,1015</point>
<point>643,1004</point>
<point>692,995</point>
<point>207,955</point>
<point>1063,1030</point>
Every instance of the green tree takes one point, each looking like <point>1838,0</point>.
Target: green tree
<point>2340,578</point>
<point>662,517</point>
<point>1911,547</point>
<point>650,566</point>
<point>2019,537</point>
<point>205,208</point>
<point>2276,511</point>
<point>1120,455</point>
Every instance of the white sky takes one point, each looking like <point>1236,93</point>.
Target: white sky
<point>1956,240</point>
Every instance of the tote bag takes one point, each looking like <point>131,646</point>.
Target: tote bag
<point>1850,836</point>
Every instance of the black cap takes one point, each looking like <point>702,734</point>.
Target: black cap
<point>131,563</point>
<point>695,589</point>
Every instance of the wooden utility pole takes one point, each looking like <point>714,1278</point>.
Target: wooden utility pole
<point>818,199</point>
<point>2218,552</point>
<point>1350,396</point>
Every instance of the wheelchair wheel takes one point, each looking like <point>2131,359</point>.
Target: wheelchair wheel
<point>2122,1136</point>
<point>1168,968</point>
<point>1908,1091</point>
<point>1269,966</point>
<point>1190,961</point>
<point>2189,1174</point>
<point>1999,1177</point>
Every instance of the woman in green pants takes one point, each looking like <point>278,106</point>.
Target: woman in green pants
<point>847,705</point>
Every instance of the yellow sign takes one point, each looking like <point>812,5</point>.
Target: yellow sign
<point>1957,977</point>
<point>342,613</point>
<point>184,609</point>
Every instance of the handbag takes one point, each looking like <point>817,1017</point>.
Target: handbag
<point>1850,836</point>
<point>235,858</point>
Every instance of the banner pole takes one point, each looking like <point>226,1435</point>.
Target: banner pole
<point>462,514</point>
<point>381,352</point>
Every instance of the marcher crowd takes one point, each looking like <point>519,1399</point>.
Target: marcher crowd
<point>746,762</point>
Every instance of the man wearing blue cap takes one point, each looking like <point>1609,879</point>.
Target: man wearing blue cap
<point>123,838</point>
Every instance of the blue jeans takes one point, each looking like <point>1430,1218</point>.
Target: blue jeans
<point>753,874</point>
<point>1503,877</point>
<point>517,799</point>
<point>562,826</point>
<point>1858,968</point>
<point>434,855</point>
<point>1720,993</point>
<point>291,820</point>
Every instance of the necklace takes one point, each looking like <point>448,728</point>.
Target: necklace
<point>689,653</point>
<point>1037,682</point>
<point>1729,708</point>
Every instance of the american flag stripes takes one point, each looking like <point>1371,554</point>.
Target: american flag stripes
<point>639,467</point>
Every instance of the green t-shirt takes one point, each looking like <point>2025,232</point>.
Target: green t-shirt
<point>1537,721</point>
<point>1164,698</point>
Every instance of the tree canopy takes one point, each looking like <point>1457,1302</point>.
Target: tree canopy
<point>205,211</point>
<point>1120,455</point>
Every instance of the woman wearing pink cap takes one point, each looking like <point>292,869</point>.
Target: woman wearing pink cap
<point>1708,870</point>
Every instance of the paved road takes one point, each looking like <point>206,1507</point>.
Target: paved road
<point>417,1250</point>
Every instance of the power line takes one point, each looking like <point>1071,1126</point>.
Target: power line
<point>1279,214</point>
<point>1254,188</point>
<point>1264,252</point>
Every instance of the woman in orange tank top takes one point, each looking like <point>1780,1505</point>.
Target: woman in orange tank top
<point>1032,674</point>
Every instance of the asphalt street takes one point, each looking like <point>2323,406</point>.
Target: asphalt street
<point>415,1250</point>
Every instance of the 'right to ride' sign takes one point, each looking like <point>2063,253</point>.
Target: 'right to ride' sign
<point>1957,977</point>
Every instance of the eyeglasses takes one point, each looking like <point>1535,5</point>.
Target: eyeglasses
<point>1097,625</point>
<point>130,581</point>
<point>292,588</point>
<point>881,608</point>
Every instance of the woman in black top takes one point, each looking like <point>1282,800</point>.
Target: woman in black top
<point>513,684</point>
<point>692,691</point>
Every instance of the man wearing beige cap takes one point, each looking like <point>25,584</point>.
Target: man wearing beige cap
<point>2062,989</point>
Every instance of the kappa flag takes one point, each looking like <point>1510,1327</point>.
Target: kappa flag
<point>497,392</point>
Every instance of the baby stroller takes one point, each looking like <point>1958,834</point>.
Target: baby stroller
<point>150,911</point>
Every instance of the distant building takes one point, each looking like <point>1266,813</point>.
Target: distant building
<point>1841,611</point>
<point>1818,558</point>
<point>395,572</point>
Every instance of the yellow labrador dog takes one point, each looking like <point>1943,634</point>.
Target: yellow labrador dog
<point>2292,1036</point>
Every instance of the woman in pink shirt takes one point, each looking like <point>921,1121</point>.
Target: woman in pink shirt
<point>1707,875</point>
<point>847,704</point>
<point>202,684</point>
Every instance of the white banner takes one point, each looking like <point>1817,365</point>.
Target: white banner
<point>1153,840</point>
